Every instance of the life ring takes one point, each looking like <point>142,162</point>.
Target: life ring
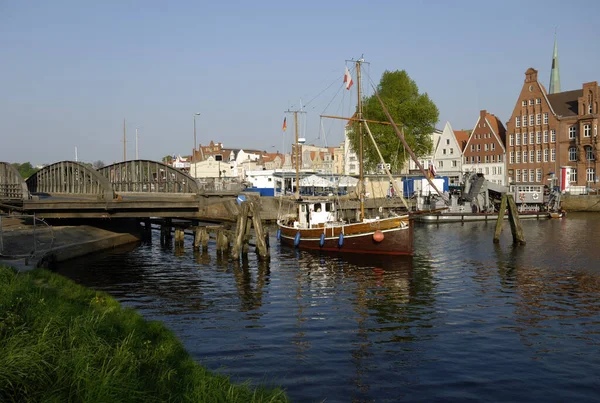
<point>535,196</point>
<point>521,196</point>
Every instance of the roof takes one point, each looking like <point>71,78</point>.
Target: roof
<point>497,126</point>
<point>462,136</point>
<point>565,103</point>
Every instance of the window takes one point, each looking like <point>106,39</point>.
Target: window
<point>531,138</point>
<point>572,132</point>
<point>531,102</point>
<point>524,157</point>
<point>538,101</point>
<point>511,140</point>
<point>499,171</point>
<point>538,175</point>
<point>553,136</point>
<point>493,146</point>
<point>493,159</point>
<point>531,117</point>
<point>518,138</point>
<point>485,147</point>
<point>524,103</point>
<point>587,130</point>
<point>518,179</point>
<point>589,153</point>
<point>531,157</point>
<point>518,154</point>
<point>466,160</point>
<point>546,155</point>
<point>532,175</point>
<point>487,170</point>
<point>452,151</point>
<point>545,136</point>
<point>525,138</point>
<point>524,121</point>
<point>444,151</point>
<point>573,176</point>
<point>499,157</point>
<point>553,155</point>
<point>487,158</point>
<point>441,164</point>
<point>545,118</point>
<point>538,156</point>
<point>525,176</point>
<point>538,119</point>
<point>572,154</point>
<point>454,163</point>
<point>512,157</point>
<point>538,137</point>
<point>590,108</point>
<point>472,147</point>
<point>478,147</point>
<point>478,159</point>
<point>590,174</point>
<point>494,171</point>
<point>447,141</point>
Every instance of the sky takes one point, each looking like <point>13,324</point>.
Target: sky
<point>72,71</point>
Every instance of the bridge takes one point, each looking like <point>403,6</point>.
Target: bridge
<point>128,189</point>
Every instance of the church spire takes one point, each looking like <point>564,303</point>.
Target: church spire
<point>555,74</point>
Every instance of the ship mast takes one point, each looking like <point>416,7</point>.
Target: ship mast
<point>296,150</point>
<point>360,141</point>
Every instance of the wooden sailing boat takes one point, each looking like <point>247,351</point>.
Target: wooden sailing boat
<point>316,224</point>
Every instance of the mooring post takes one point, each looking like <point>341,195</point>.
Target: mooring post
<point>261,246</point>
<point>500,219</point>
<point>240,231</point>
<point>179,235</point>
<point>205,237</point>
<point>197,238</point>
<point>222,242</point>
<point>515,223</point>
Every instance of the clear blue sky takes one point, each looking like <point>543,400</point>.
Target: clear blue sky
<point>70,71</point>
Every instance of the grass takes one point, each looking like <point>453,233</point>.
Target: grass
<point>61,342</point>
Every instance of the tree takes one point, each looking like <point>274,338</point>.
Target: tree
<point>414,112</point>
<point>25,169</point>
<point>98,164</point>
<point>167,159</point>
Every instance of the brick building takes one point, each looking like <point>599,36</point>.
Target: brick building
<point>485,152</point>
<point>547,131</point>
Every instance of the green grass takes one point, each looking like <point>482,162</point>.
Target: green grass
<point>61,342</point>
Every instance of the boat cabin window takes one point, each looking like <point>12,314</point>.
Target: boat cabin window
<point>328,206</point>
<point>317,207</point>
<point>303,208</point>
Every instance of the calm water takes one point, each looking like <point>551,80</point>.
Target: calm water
<point>463,320</point>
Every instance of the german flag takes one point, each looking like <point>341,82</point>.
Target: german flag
<point>284,123</point>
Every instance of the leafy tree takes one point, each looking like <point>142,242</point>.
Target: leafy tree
<point>167,159</point>
<point>98,164</point>
<point>413,111</point>
<point>25,169</point>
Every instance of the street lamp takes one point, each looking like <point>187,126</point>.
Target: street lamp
<point>194,149</point>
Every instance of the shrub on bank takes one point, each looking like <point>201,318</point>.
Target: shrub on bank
<point>61,342</point>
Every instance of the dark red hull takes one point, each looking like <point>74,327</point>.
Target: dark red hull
<point>357,238</point>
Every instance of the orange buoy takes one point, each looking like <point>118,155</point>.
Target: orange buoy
<point>378,236</point>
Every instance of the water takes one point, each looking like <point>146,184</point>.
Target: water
<point>463,320</point>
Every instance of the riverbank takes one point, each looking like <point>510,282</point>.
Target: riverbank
<point>64,342</point>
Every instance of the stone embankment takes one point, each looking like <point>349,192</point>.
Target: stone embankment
<point>582,203</point>
<point>25,246</point>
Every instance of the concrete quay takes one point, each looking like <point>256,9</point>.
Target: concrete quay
<point>26,248</point>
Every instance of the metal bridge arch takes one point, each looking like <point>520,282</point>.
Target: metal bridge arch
<point>149,177</point>
<point>69,177</point>
<point>12,185</point>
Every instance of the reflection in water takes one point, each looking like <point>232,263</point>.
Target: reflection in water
<point>464,319</point>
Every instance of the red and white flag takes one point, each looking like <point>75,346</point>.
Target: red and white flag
<point>348,79</point>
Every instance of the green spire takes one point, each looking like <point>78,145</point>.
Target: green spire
<point>555,74</point>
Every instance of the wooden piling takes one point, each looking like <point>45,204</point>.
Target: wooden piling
<point>197,237</point>
<point>261,246</point>
<point>500,219</point>
<point>179,236</point>
<point>222,242</point>
<point>204,237</point>
<point>515,223</point>
<point>240,231</point>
